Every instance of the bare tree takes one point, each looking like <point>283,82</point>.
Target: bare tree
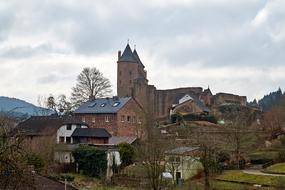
<point>152,154</point>
<point>15,172</point>
<point>63,105</point>
<point>240,133</point>
<point>51,104</point>
<point>91,84</point>
<point>59,104</point>
<point>273,121</point>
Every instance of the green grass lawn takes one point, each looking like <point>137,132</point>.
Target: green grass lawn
<point>276,169</point>
<point>239,176</point>
<point>219,185</point>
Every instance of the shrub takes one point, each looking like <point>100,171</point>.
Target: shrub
<point>61,177</point>
<point>37,161</point>
<point>91,161</point>
<point>200,117</point>
<point>127,153</point>
<point>281,156</point>
<point>282,140</point>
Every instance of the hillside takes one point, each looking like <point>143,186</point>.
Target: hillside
<point>19,108</point>
<point>270,100</point>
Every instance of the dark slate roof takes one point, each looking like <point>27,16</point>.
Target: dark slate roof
<point>91,132</point>
<point>45,125</point>
<point>96,106</point>
<point>127,55</point>
<point>115,140</point>
<point>137,57</point>
<point>182,150</point>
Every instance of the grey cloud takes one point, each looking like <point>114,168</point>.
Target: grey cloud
<point>53,78</point>
<point>28,51</point>
<point>6,21</point>
<point>211,33</point>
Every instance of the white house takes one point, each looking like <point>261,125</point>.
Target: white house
<point>64,133</point>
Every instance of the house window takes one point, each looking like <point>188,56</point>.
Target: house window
<point>120,73</point>
<point>61,139</point>
<point>93,119</point>
<point>122,118</point>
<point>134,119</point>
<point>83,119</point>
<point>68,127</point>
<point>130,73</point>
<point>129,119</point>
<point>130,81</point>
<point>68,140</point>
<point>106,118</point>
<point>139,120</point>
<point>177,159</point>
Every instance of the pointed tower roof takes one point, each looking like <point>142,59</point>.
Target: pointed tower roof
<point>137,57</point>
<point>127,55</point>
<point>207,91</point>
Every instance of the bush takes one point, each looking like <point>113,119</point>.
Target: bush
<point>37,161</point>
<point>61,177</point>
<point>281,156</point>
<point>263,157</point>
<point>91,161</point>
<point>127,153</point>
<point>282,140</point>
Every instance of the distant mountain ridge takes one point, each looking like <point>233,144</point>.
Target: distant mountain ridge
<point>19,108</point>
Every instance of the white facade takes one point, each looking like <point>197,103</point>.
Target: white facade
<point>64,133</point>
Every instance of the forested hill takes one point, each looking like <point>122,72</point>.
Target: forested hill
<point>270,100</point>
<point>19,108</point>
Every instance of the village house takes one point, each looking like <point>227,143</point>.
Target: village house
<point>58,135</point>
<point>119,116</point>
<point>186,103</point>
<point>61,129</point>
<point>183,163</point>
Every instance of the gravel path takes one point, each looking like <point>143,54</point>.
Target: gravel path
<point>258,172</point>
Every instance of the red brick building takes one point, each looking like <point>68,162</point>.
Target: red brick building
<point>119,116</point>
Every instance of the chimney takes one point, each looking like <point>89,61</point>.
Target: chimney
<point>119,54</point>
<point>115,98</point>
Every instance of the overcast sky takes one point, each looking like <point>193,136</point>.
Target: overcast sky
<point>232,46</point>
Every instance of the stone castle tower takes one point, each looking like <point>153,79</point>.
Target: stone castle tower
<point>132,81</point>
<point>130,70</point>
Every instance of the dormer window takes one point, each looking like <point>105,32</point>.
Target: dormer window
<point>92,105</point>
<point>103,105</point>
<point>116,104</point>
